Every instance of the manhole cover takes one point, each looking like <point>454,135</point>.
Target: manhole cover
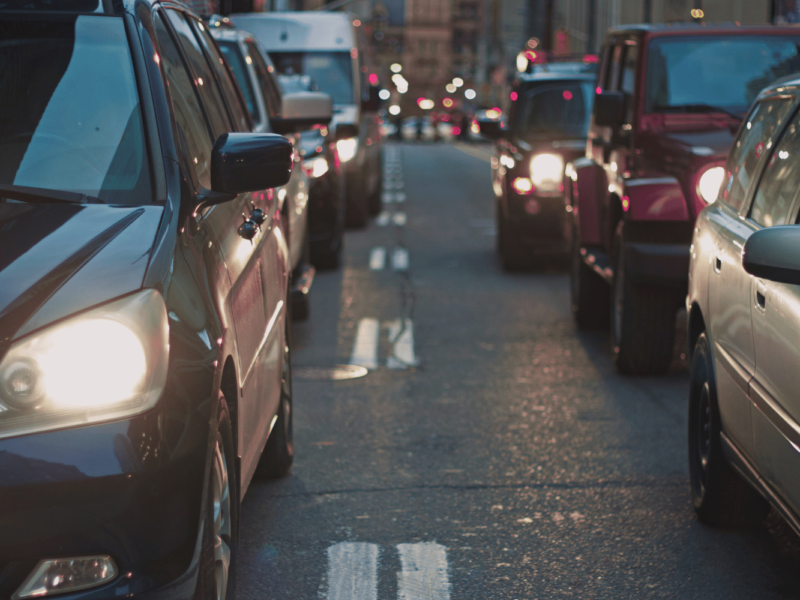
<point>334,373</point>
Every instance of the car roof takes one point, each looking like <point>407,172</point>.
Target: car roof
<point>555,76</point>
<point>683,28</point>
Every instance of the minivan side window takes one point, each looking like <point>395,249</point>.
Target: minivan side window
<point>752,145</point>
<point>781,180</point>
<point>193,131</point>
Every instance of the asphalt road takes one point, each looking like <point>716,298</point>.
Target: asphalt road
<point>511,462</point>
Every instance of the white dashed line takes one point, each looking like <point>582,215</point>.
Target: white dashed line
<point>383,219</point>
<point>400,197</point>
<point>353,571</point>
<point>377,258</point>
<point>365,348</point>
<point>399,218</point>
<point>387,197</point>
<point>424,572</point>
<point>402,340</point>
<point>400,259</point>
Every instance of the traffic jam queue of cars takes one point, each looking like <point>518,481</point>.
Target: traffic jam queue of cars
<point>668,206</point>
<point>156,239</point>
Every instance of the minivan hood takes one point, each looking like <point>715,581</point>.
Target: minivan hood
<point>58,259</point>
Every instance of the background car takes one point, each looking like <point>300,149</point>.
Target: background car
<point>145,360</point>
<point>744,323</point>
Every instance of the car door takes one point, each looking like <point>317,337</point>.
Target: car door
<point>775,309</point>
<point>729,287</point>
<point>251,265</point>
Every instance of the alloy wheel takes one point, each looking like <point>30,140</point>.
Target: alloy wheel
<point>703,439</point>
<point>222,519</point>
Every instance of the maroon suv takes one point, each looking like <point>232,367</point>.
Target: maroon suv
<point>669,102</point>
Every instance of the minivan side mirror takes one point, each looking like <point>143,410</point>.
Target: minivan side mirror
<point>301,111</point>
<point>249,162</point>
<point>774,254</point>
<point>373,101</point>
<point>609,109</point>
<point>345,131</point>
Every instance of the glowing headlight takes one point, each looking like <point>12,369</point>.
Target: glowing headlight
<point>347,148</point>
<point>709,184</point>
<point>319,166</point>
<point>108,363</point>
<point>547,172</point>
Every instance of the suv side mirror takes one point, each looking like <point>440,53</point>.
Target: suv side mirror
<point>372,102</point>
<point>345,131</point>
<point>249,162</point>
<point>609,109</point>
<point>301,111</point>
<point>774,254</point>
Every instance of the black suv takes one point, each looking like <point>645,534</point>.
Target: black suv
<point>144,346</point>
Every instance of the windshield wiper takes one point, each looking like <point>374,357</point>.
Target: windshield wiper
<point>35,195</point>
<point>699,108</point>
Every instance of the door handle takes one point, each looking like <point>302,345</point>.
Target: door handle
<point>761,300</point>
<point>717,264</point>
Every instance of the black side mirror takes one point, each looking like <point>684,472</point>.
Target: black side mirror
<point>774,254</point>
<point>609,109</point>
<point>372,101</point>
<point>491,128</point>
<point>249,162</point>
<point>345,131</point>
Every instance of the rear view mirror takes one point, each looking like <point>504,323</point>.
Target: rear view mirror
<point>301,111</point>
<point>345,131</point>
<point>249,162</point>
<point>774,254</point>
<point>609,109</point>
<point>373,101</point>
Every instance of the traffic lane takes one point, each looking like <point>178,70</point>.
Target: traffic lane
<point>510,407</point>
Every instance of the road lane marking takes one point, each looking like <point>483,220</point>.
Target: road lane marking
<point>400,259</point>
<point>353,571</point>
<point>383,219</point>
<point>399,218</point>
<point>400,197</point>
<point>401,336</point>
<point>423,574</point>
<point>377,258</point>
<point>484,155</point>
<point>365,347</point>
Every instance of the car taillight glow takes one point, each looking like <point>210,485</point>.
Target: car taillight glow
<point>522,185</point>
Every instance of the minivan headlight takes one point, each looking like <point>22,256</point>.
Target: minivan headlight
<point>107,363</point>
<point>709,183</point>
<point>347,148</point>
<point>547,172</point>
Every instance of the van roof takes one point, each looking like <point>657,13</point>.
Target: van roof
<point>299,31</point>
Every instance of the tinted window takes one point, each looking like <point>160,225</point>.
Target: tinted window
<point>612,81</point>
<point>236,61</point>
<point>204,79</point>
<point>780,181</point>
<point>751,146</point>
<point>628,84</point>
<point>717,71</point>
<point>557,109</point>
<point>193,131</point>
<point>331,71</point>
<point>265,75</point>
<point>69,109</point>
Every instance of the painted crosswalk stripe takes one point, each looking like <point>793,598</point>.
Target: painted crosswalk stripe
<point>353,571</point>
<point>387,197</point>
<point>401,336</point>
<point>365,348</point>
<point>423,574</point>
<point>400,197</point>
<point>400,259</point>
<point>383,219</point>
<point>399,218</point>
<point>377,258</point>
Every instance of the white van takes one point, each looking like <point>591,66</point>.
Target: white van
<point>325,45</point>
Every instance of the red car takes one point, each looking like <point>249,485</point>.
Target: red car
<point>669,101</point>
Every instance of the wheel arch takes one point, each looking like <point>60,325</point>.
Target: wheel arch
<point>696,326</point>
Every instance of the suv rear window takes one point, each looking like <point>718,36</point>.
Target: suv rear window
<point>554,109</point>
<point>69,111</point>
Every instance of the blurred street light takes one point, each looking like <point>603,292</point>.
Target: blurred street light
<point>396,67</point>
<point>394,109</point>
<point>458,82</point>
<point>384,94</point>
<point>451,89</point>
<point>470,94</point>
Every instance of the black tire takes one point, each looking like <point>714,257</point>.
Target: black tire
<point>642,320</point>
<point>357,203</point>
<point>513,255</point>
<point>223,532</point>
<point>276,460</point>
<point>589,293</point>
<point>720,497</point>
<point>376,197</point>
<point>301,303</point>
<point>328,258</point>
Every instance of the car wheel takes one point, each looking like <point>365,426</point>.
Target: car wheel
<point>329,257</point>
<point>357,204</point>
<point>217,577</point>
<point>514,256</point>
<point>642,321</point>
<point>719,495</point>
<point>376,198</point>
<point>589,294</point>
<point>276,460</point>
<point>301,303</point>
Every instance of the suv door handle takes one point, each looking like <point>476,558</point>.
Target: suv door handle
<point>717,264</point>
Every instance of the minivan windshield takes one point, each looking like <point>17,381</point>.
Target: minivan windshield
<point>331,71</point>
<point>69,111</point>
<point>555,109</point>
<point>689,74</point>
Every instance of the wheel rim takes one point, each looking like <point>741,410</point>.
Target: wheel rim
<point>703,433</point>
<point>222,520</point>
<point>619,287</point>
<point>286,393</point>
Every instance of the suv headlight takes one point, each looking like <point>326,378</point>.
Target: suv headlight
<point>347,148</point>
<point>107,363</point>
<point>547,172</point>
<point>709,183</point>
